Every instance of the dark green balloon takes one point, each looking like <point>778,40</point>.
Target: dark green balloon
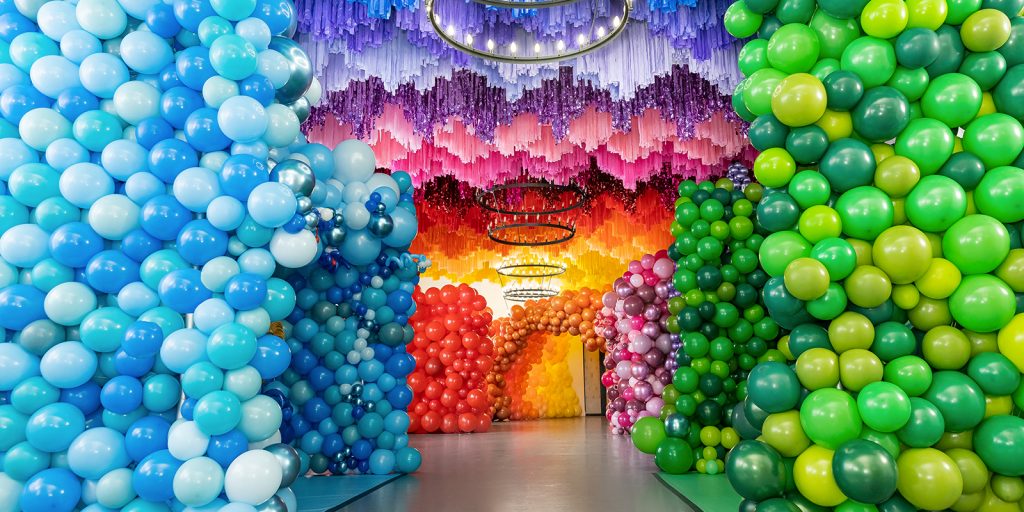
<point>986,68</point>
<point>794,11</point>
<point>951,52</point>
<point>768,27</point>
<point>864,471</point>
<point>740,107</point>
<point>917,48</point>
<point>786,309</point>
<point>844,90</point>
<point>1008,7</point>
<point>964,168</point>
<point>958,398</point>
<point>1013,50</point>
<point>742,424</point>
<point>1009,94</point>
<point>807,144</point>
<point>926,424</point>
<point>882,114</point>
<point>777,212</point>
<point>893,340</point>
<point>848,164</point>
<point>754,414</point>
<point>803,504</point>
<point>896,504</point>
<point>911,82</point>
<point>807,336</point>
<point>756,471</point>
<point>761,6</point>
<point>994,373</point>
<point>844,9</point>
<point>748,506</point>
<point>767,132</point>
<point>677,425</point>
<point>777,505</point>
<point>773,387</point>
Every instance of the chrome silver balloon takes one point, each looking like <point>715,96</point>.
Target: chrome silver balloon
<point>301,69</point>
<point>274,504</point>
<point>289,460</point>
<point>381,224</point>
<point>335,237</point>
<point>305,205</point>
<point>301,108</point>
<point>295,175</point>
<point>311,220</point>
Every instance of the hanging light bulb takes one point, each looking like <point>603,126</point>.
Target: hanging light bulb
<point>451,30</point>
<point>536,47</point>
<point>469,39</point>
<point>581,39</point>
<point>616,21</point>
<point>490,44</point>
<point>600,32</point>
<point>513,48</point>
<point>560,45</point>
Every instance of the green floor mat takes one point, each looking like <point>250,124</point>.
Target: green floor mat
<point>706,493</point>
<point>320,493</point>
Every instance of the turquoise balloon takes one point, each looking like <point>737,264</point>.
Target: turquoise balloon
<point>202,378</point>
<point>161,393</point>
<point>231,346</point>
<point>32,394</point>
<point>217,413</point>
<point>233,57</point>
<point>14,422</point>
<point>280,301</point>
<point>31,184</point>
<point>48,273</point>
<point>103,329</point>
<point>23,461</point>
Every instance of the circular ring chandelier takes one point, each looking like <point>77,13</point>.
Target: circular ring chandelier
<point>514,44</point>
<point>531,270</point>
<point>531,213</point>
<point>516,294</point>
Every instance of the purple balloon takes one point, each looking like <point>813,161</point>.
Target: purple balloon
<point>651,330</point>
<point>652,312</point>
<point>661,290</point>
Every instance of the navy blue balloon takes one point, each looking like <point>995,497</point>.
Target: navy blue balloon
<point>382,352</point>
<point>161,21</point>
<point>241,174</point>
<point>85,397</point>
<point>278,14</point>
<point>163,217</point>
<point>362,449</point>
<point>400,301</point>
<point>151,130</point>
<point>138,244</point>
<point>74,244</point>
<point>193,67</point>
<point>303,361</point>
<point>182,290</point>
<point>259,88</point>
<point>131,365</point>
<point>333,444</point>
<point>153,478</point>
<point>316,410</point>
<point>110,271</point>
<point>300,425</point>
<point>179,103</point>
<point>169,157</point>
<point>245,291</point>
<point>143,339</point>
<point>203,132</point>
<point>76,101</point>
<point>199,242</point>
<point>147,435</point>
<point>190,13</point>
<point>227,447</point>
<point>55,489</point>
<point>320,378</point>
<point>17,100</point>
<point>121,394</point>
<point>20,305</point>
<point>400,397</point>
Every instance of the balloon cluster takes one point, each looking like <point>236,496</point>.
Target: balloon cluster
<point>723,327</point>
<point>571,312</point>
<point>639,349</point>
<point>892,143</point>
<point>739,175</point>
<point>453,351</point>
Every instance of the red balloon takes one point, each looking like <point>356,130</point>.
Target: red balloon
<point>450,424</point>
<point>431,421</point>
<point>468,422</point>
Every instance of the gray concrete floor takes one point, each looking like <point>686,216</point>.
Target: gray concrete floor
<point>565,465</point>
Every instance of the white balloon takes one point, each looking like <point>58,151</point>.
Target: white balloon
<point>185,441</point>
<point>10,490</point>
<point>314,93</point>
<point>294,250</point>
<point>254,477</point>
<point>113,216</point>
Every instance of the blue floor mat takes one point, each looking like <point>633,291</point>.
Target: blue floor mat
<point>322,493</point>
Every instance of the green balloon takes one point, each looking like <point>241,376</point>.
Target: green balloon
<point>872,59</point>
<point>982,303</point>
<point>844,90</point>
<point>965,169</point>
<point>910,373</point>
<point>999,441</point>
<point>1013,49</point>
<point>838,256</point>
<point>865,471</point>
<point>807,336</point>
<point>809,188</point>
<point>767,132</point>
<point>834,34</point>
<point>928,142</point>
<point>768,27</point>
<point>999,192</point>
<point>739,106</point>
<point>773,387</point>
<point>794,11</point>
<point>925,426</point>
<point>912,83</point>
<point>807,144</point>
<point>674,456</point>
<point>844,9</point>
<point>935,203</point>
<point>882,114</point>
<point>958,398</point>
<point>883,406</point>
<point>829,417</point>
<point>976,244</point>
<point>757,95</point>
<point>753,56</point>
<point>793,48</point>
<point>997,139</point>
<point>824,68</point>
<point>779,249</point>
<point>761,6</point>
<point>778,212</point>
<point>951,52</point>
<point>848,164</point>
<point>829,305</point>
<point>1010,8</point>
<point>647,434</point>
<point>954,99</point>
<point>986,68</point>
<point>959,10</point>
<point>887,440</point>
<point>740,21</point>
<point>995,373</point>
<point>917,47</point>
<point>756,471</point>
<point>865,212</point>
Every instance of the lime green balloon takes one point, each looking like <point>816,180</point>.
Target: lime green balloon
<point>985,30</point>
<point>928,142</point>
<point>929,479</point>
<point>954,99</point>
<point>806,278</point>
<point>911,373</point>
<point>972,468</point>
<point>865,212</point>
<point>883,406</point>
<point>818,368</point>
<point>740,21</point>
<point>986,69</point>
<point>976,244</point>
<point>858,368</point>
<point>946,348</point>
<point>997,139</point>
<point>903,253</point>
<point>799,100</point>
<point>774,167</point>
<point>868,287</point>
<point>871,58</point>
<point>884,19</point>
<point>818,223</point>
<point>757,94</point>
<point>647,434</point>
<point>838,256</point>
<point>793,48</point>
<point>779,249</point>
<point>829,417</point>
<point>982,303</point>
<point>936,203</point>
<point>783,432</point>
<point>753,56</point>
<point>897,176</point>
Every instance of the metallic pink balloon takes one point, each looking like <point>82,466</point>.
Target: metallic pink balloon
<point>639,370</point>
<point>643,391</point>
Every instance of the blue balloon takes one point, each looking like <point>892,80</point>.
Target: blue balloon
<point>121,394</point>
<point>190,13</point>
<point>17,100</point>
<point>272,357</point>
<point>138,244</point>
<point>182,290</point>
<point>154,476</point>
<point>400,397</point>
<point>193,67</point>
<point>177,104</point>
<point>12,24</point>
<point>101,74</point>
<point>227,447</point>
<point>111,271</point>
<point>203,132</point>
<point>278,14</point>
<point>245,291</point>
<point>400,365</point>
<point>133,366</point>
<point>161,21</point>
<point>259,88</point>
<point>163,217</point>
<point>152,130</point>
<point>96,452</point>
<point>200,242</point>
<point>75,244</point>
<point>407,460</point>
<point>143,339</point>
<point>169,157</point>
<point>85,397</point>
<point>74,102</point>
<point>241,174</point>
<point>382,462</point>
<point>55,489</point>
<point>145,436</point>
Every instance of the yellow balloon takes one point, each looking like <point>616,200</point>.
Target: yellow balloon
<point>896,175</point>
<point>806,278</point>
<point>972,469</point>
<point>958,145</point>
<point>799,100</point>
<point>930,14</point>
<point>903,253</point>
<point>998,405</point>
<point>929,479</point>
<point>969,502</point>
<point>837,125</point>
<point>936,240</point>
<point>858,368</point>
<point>884,19</point>
<point>992,503</point>
<point>988,105</point>
<point>899,211</point>
<point>1011,270</point>
<point>961,440</point>
<point>940,280</point>
<point>818,368</point>
<point>783,347</point>
<point>1011,341</point>
<point>905,296</point>
<point>813,475</point>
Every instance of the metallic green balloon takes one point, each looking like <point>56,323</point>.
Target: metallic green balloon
<point>756,471</point>
<point>864,471</point>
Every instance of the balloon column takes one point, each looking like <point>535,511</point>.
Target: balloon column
<point>639,349</point>
<point>535,329</point>
<point>153,184</point>
<point>891,141</point>
<point>452,351</point>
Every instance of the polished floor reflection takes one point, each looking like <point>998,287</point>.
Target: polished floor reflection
<point>564,465</point>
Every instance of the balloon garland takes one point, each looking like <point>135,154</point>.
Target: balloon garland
<point>572,312</point>
<point>891,141</point>
<point>452,351</point>
<point>639,349</point>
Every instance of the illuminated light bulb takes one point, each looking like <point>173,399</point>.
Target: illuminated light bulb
<point>513,48</point>
<point>600,32</point>
<point>536,47</point>
<point>469,39</point>
<point>616,21</point>
<point>490,44</point>
<point>581,39</point>
<point>560,45</point>
<point>451,30</point>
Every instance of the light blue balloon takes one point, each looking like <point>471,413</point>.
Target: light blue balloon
<point>76,45</point>
<point>196,188</point>
<point>53,74</point>
<point>257,320</point>
<point>238,507</point>
<point>218,89</point>
<point>138,8</point>
<point>198,482</point>
<point>64,153</point>
<point>13,154</point>
<point>272,204</point>
<point>103,18</point>
<point>16,365</point>
<point>360,248</point>
<point>24,245</point>
<point>354,161</point>
<point>82,184</point>
<point>68,365</point>
<point>141,505</point>
<point>225,213</point>
<point>257,149</point>
<point>216,273</point>
<point>53,428</point>
<point>42,126</point>
<point>136,298</point>
<point>212,313</point>
<point>146,52</point>
<point>261,418</point>
<point>143,186</point>
<point>114,216</point>
<point>102,74</point>
<point>114,490</point>
<point>10,75</point>
<point>56,19</point>
<point>275,67</point>
<point>136,101</point>
<point>406,226</point>
<point>121,158</point>
<point>255,31</point>
<point>28,47</point>
<point>96,452</point>
<point>182,349</point>
<point>242,119</point>
<point>214,161</point>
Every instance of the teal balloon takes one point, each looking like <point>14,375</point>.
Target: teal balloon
<point>959,399</point>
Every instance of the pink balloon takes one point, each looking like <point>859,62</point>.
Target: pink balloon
<point>654,405</point>
<point>647,261</point>
<point>664,268</point>
<point>636,280</point>
<point>636,323</point>
<point>635,267</point>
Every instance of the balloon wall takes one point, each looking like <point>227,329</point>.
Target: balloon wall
<point>154,193</point>
<point>452,351</point>
<point>891,144</point>
<point>639,349</point>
